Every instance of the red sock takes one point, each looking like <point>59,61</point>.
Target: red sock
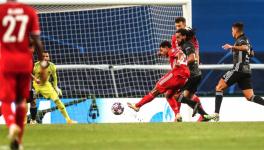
<point>175,106</point>
<point>8,114</point>
<point>200,119</point>
<point>146,99</point>
<point>197,99</point>
<point>20,117</point>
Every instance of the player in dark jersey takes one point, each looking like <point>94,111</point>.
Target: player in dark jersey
<point>240,73</point>
<point>180,23</point>
<point>184,41</point>
<point>18,22</point>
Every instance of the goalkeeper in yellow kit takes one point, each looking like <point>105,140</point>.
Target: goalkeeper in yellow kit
<point>42,85</point>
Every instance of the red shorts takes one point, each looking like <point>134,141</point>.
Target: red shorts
<point>173,80</point>
<point>14,86</point>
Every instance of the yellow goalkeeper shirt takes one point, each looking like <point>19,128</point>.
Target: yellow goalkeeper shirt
<point>51,72</point>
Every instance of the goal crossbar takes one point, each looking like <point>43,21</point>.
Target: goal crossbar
<point>151,67</point>
<point>104,2</point>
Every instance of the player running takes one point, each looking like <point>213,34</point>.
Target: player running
<point>42,84</point>
<point>240,73</point>
<point>193,83</point>
<point>170,82</point>
<point>18,23</point>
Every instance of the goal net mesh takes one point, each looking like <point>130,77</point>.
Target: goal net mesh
<point>106,35</point>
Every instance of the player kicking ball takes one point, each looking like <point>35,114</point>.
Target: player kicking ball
<point>171,82</point>
<point>42,72</point>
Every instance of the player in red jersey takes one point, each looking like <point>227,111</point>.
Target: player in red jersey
<point>180,23</point>
<point>18,23</point>
<point>170,82</point>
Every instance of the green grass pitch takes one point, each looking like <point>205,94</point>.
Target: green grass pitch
<point>143,136</point>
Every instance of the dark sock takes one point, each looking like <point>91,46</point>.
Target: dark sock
<point>187,101</point>
<point>257,99</point>
<point>218,101</point>
<point>33,113</point>
<point>201,111</point>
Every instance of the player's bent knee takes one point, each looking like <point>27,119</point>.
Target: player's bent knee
<point>59,103</point>
<point>219,87</point>
<point>249,97</point>
<point>248,94</point>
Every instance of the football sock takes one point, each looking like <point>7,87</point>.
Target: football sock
<point>33,113</point>
<point>218,101</point>
<point>175,106</point>
<point>187,101</point>
<point>257,99</point>
<point>146,99</point>
<point>8,114</point>
<point>62,109</point>
<point>20,116</point>
<point>200,110</point>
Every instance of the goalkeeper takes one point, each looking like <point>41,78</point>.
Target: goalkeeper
<point>42,72</point>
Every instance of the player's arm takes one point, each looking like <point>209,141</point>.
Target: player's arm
<point>54,75</point>
<point>38,45</point>
<point>191,55</point>
<point>55,79</point>
<point>35,79</point>
<point>35,34</point>
<point>243,47</point>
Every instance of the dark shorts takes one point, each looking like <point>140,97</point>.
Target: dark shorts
<point>192,84</point>
<point>242,79</point>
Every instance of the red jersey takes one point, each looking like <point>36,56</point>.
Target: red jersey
<point>176,57</point>
<point>17,22</point>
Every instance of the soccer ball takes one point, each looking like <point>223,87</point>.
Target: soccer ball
<point>117,108</point>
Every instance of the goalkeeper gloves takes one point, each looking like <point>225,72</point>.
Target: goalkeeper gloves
<point>58,90</point>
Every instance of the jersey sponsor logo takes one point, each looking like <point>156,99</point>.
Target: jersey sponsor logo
<point>15,11</point>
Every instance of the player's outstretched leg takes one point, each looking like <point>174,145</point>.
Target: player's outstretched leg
<point>63,111</point>
<point>146,99</point>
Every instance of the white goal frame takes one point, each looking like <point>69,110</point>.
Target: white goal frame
<point>187,4</point>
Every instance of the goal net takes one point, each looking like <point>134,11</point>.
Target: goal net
<point>87,42</point>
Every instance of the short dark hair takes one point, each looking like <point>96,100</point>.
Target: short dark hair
<point>239,26</point>
<point>164,44</point>
<point>180,19</point>
<point>45,52</point>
